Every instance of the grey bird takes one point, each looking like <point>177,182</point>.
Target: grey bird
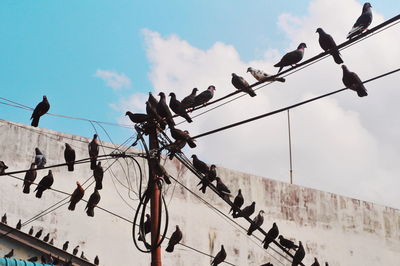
<point>175,148</point>
<point>204,97</point>
<point>237,203</point>
<point>40,109</point>
<point>363,21</point>
<point>98,174</point>
<point>65,246</point>
<point>76,196</point>
<point>221,187</point>
<point>75,250</point>
<point>152,100</point>
<point>9,254</point>
<point>220,257</point>
<point>29,178</point>
<point>291,58</point>
<point>19,225</point>
<point>316,263</point>
<point>4,218</point>
<point>30,231</point>
<point>257,222</point>
<point>261,76</point>
<point>153,115</point>
<point>271,235</point>
<point>83,256</point>
<point>327,43</point>
<point>208,178</point>
<point>3,167</point>
<point>299,255</point>
<point>69,156</point>
<point>286,243</point>
<point>326,264</point>
<point>242,85</point>
<point>44,184</point>
<point>178,108</point>
<point>51,241</point>
<point>353,82</point>
<point>96,260</point>
<point>94,199</point>
<point>137,117</point>
<point>145,229</point>
<point>93,148</point>
<point>39,233</point>
<point>178,134</point>
<point>247,211</point>
<point>176,237</point>
<point>40,159</point>
<point>46,238</point>
<point>188,101</point>
<point>200,166</point>
<point>163,110</point>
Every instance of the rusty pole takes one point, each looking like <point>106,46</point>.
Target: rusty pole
<point>155,197</point>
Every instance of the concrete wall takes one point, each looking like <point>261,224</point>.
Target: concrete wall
<point>337,229</point>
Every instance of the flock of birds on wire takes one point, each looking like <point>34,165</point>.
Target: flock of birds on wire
<point>160,113</point>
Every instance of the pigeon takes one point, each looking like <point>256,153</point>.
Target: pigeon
<point>152,114</point>
<point>353,82</point>
<point>146,228</point>
<point>247,211</point>
<point>199,165</point>
<point>242,85</point>
<point>96,260</point>
<point>362,22</point>
<point>292,57</point>
<point>39,233</point>
<point>98,174</point>
<point>65,246</point>
<point>40,109</point>
<point>83,256</point>
<point>299,255</point>
<point>161,172</point>
<point>76,196</point>
<point>177,107</point>
<point>327,43</point>
<point>175,238</point>
<point>18,226</point>
<point>316,263</point>
<point>204,182</point>
<point>220,257</point>
<point>93,147</point>
<point>94,199</point>
<point>137,118</point>
<point>326,264</point>
<point>3,167</point>
<point>268,264</point>
<point>40,159</point>
<point>208,178</point>
<point>4,218</point>
<point>257,222</point>
<point>43,259</point>
<point>271,235</point>
<point>178,134</point>
<point>261,76</point>
<point>205,96</point>
<point>75,251</point>
<point>9,254</point>
<point>69,156</point>
<point>237,203</point>
<point>51,241</point>
<point>286,243</point>
<point>188,101</point>
<point>29,178</point>
<point>221,187</point>
<point>163,109</point>
<point>33,259</point>
<point>46,238</point>
<point>175,148</point>
<point>44,184</point>
<point>152,100</point>
<point>30,231</point>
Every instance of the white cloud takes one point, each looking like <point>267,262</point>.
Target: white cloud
<point>113,79</point>
<point>342,144</point>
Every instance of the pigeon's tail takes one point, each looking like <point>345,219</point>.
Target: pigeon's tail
<point>167,179</point>
<point>71,206</point>
<point>336,57</point>
<point>355,31</point>
<point>361,92</point>
<point>93,163</point>
<point>71,167</point>
<point>251,92</point>
<point>90,211</point>
<point>39,193</point>
<point>280,79</point>
<point>170,122</point>
<point>250,231</point>
<point>191,143</point>
<point>99,185</point>
<point>35,121</point>
<point>187,117</point>
<point>26,189</point>
<point>170,248</point>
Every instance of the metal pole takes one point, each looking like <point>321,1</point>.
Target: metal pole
<point>155,197</point>
<point>290,149</point>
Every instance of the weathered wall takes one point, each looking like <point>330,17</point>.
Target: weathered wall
<point>338,229</point>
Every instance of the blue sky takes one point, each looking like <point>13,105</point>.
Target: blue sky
<point>54,48</point>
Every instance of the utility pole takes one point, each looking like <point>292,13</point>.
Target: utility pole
<point>154,197</point>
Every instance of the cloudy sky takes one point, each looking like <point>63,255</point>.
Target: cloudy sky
<point>97,59</point>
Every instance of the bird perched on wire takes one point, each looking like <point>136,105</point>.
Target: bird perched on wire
<point>353,82</point>
<point>299,255</point>
<point>4,218</point>
<point>153,115</point>
<point>363,21</point>
<point>204,97</point>
<point>29,178</point>
<point>178,108</point>
<point>178,134</point>
<point>137,118</point>
<point>46,237</point>
<point>69,156</point>
<point>222,188</point>
<point>98,174</point>
<point>237,203</point>
<point>208,178</point>
<point>93,148</point>
<point>145,229</point>
<point>76,196</point>
<point>30,231</point>
<point>96,260</point>
<point>175,148</point>
<point>247,211</point>
<point>40,159</point>
<point>220,257</point>
<point>51,242</point>
<point>286,243</point>
<point>44,184</point>
<point>261,76</point>
<point>83,256</point>
<point>199,165</point>
<point>75,250</point>
<point>327,43</point>
<point>94,199</point>
<point>257,222</point>
<point>39,233</point>
<point>176,237</point>
<point>40,109</point>
<point>152,100</point>
<point>19,225</point>
<point>65,246</point>
<point>188,101</point>
<point>242,85</point>
<point>163,110</point>
<point>271,235</point>
<point>315,263</point>
<point>291,58</point>
<point>9,254</point>
<point>3,167</point>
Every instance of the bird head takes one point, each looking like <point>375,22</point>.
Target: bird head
<point>172,94</point>
<point>95,136</point>
<point>319,30</point>
<point>44,97</point>
<point>213,166</point>
<point>177,227</point>
<point>78,184</point>
<point>194,156</point>
<point>240,191</point>
<point>37,151</point>
<point>344,67</point>
<point>302,46</point>
<point>195,89</point>
<point>234,75</point>
<point>211,87</point>
<point>161,94</point>
<point>261,212</point>
<point>127,113</point>
<point>99,163</point>
<point>366,6</point>
<point>249,69</point>
<point>280,237</point>
<point>50,172</point>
